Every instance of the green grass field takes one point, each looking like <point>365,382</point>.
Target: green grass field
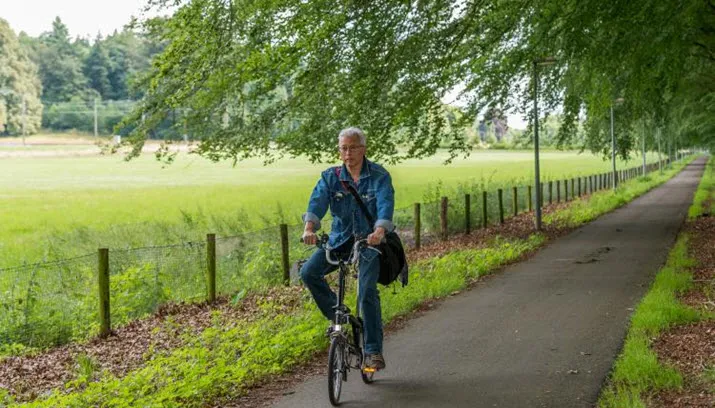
<point>46,201</point>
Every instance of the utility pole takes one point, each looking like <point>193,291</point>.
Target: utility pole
<point>95,117</point>
<point>24,118</point>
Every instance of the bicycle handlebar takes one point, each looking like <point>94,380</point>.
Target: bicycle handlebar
<point>322,243</point>
<point>353,254</point>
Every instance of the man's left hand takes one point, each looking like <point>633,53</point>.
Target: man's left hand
<point>376,237</point>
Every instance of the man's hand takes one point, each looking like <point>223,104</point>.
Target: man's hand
<point>376,237</point>
<point>309,237</point>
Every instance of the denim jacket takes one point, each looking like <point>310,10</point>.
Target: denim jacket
<point>375,188</point>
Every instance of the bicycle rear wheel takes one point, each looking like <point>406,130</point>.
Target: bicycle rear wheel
<point>336,359</point>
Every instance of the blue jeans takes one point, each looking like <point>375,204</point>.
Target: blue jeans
<point>313,276</point>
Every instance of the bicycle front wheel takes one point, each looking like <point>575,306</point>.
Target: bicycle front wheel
<point>336,359</point>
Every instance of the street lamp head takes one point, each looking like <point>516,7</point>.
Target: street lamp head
<point>544,61</point>
<point>618,101</point>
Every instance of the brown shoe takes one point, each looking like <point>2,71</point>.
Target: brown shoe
<point>375,361</point>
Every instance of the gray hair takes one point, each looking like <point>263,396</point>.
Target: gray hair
<point>353,132</point>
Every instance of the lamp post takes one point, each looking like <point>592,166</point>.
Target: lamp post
<point>660,160</point>
<point>643,147</point>
<point>537,179</point>
<point>613,145</point>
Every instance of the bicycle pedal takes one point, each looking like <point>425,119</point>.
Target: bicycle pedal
<point>369,370</point>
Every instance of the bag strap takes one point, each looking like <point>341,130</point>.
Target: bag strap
<point>355,195</point>
<point>360,203</point>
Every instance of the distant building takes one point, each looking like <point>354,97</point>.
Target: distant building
<point>482,131</point>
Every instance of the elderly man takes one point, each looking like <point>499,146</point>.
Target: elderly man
<point>374,185</point>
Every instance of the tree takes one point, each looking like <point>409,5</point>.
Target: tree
<point>386,65</point>
<point>97,67</point>
<point>20,107</point>
<point>60,65</point>
<point>495,118</point>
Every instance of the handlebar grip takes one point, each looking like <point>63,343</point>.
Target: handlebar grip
<point>320,241</point>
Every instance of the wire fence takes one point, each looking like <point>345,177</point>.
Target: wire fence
<point>48,303</point>
<point>51,303</point>
<point>142,279</point>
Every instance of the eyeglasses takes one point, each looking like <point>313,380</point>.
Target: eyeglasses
<point>345,149</point>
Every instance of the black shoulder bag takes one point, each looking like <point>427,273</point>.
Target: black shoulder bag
<point>393,263</point>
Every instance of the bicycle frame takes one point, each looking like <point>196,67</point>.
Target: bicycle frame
<point>345,353</point>
<point>342,316</point>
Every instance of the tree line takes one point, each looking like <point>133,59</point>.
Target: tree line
<point>282,78</point>
<point>54,81</point>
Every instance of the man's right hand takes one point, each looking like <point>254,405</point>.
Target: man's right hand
<point>309,237</point>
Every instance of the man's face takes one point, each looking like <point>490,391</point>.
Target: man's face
<point>351,151</point>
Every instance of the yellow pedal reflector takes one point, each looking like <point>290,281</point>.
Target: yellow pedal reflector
<point>369,370</point>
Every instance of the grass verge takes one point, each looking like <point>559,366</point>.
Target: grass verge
<point>601,202</point>
<point>637,369</point>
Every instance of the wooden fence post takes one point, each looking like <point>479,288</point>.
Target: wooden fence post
<point>418,226</point>
<point>501,207</point>
<point>558,191</point>
<point>285,254</point>
<point>211,265</point>
<point>105,324</point>
<point>467,214</point>
<point>566,190</point>
<point>515,201</point>
<point>528,192</point>
<point>443,216</point>
<point>551,192</point>
<point>579,186</point>
<point>573,188</point>
<point>484,209</point>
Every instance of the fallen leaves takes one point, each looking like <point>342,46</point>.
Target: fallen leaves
<point>691,348</point>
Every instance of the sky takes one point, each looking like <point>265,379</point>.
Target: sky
<point>86,18</point>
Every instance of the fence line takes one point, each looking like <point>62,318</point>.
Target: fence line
<point>132,282</point>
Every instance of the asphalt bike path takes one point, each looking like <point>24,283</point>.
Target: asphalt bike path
<point>542,333</point>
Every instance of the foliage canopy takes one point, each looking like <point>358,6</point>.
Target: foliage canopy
<point>268,78</point>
